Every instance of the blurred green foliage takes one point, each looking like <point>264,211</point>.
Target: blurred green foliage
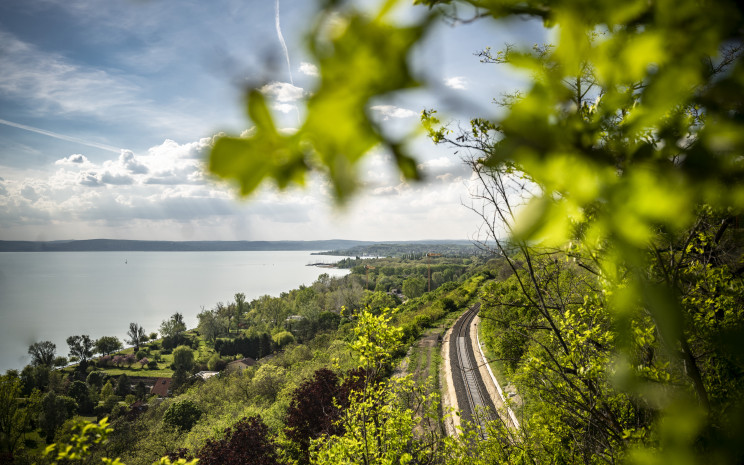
<point>631,131</point>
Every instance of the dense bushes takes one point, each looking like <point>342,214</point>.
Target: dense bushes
<point>247,441</point>
<point>171,342</point>
<point>255,346</point>
<point>316,407</point>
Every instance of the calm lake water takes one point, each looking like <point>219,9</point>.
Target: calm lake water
<point>53,295</point>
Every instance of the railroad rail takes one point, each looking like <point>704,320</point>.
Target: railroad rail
<point>476,405</point>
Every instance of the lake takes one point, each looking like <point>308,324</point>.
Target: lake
<point>53,295</point>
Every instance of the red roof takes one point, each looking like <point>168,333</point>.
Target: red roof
<point>162,387</point>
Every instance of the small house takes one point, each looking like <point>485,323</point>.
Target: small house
<point>205,375</point>
<point>162,387</point>
<point>242,364</point>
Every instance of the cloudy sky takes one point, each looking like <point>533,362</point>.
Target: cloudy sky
<point>107,110</point>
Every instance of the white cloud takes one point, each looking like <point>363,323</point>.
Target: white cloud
<point>285,107</point>
<point>391,111</point>
<point>308,69</point>
<point>283,91</point>
<point>445,169</point>
<point>76,159</point>
<point>90,179</point>
<point>107,199</point>
<point>130,162</point>
<point>456,82</point>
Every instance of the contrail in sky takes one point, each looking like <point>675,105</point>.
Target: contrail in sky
<point>60,136</point>
<point>281,39</point>
<point>286,54</point>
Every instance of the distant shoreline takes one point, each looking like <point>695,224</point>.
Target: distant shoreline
<point>117,245</point>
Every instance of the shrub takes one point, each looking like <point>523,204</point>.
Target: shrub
<point>129,359</point>
<point>182,415</point>
<point>141,354</point>
<point>448,304</point>
<point>96,379</point>
<point>183,358</point>
<point>411,331</point>
<point>314,410</point>
<point>216,363</point>
<point>152,365</point>
<point>422,321</point>
<point>284,338</point>
<point>247,441</point>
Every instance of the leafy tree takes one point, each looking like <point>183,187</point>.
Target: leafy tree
<point>35,377</point>
<point>182,414</point>
<point>78,390</point>
<point>54,411</point>
<point>107,390</point>
<point>81,347</point>
<point>268,381</point>
<point>123,386</point>
<point>173,326</point>
<point>283,338</point>
<point>378,300</point>
<point>271,310</point>
<point>60,361</point>
<point>414,287</point>
<point>226,313</point>
<point>42,353</point>
<point>108,344</point>
<point>96,378</point>
<point>211,325</point>
<point>239,307</point>
<point>183,359</point>
<point>136,335</point>
<point>216,363</point>
<point>140,391</point>
<point>13,417</point>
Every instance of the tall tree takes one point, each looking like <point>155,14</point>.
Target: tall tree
<point>108,344</point>
<point>211,325</point>
<point>13,417</point>
<point>80,347</point>
<point>239,307</point>
<point>54,411</point>
<point>42,353</point>
<point>173,326</point>
<point>136,335</point>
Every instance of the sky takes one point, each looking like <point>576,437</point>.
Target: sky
<point>108,110</point>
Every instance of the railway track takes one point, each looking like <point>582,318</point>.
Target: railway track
<point>474,401</point>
